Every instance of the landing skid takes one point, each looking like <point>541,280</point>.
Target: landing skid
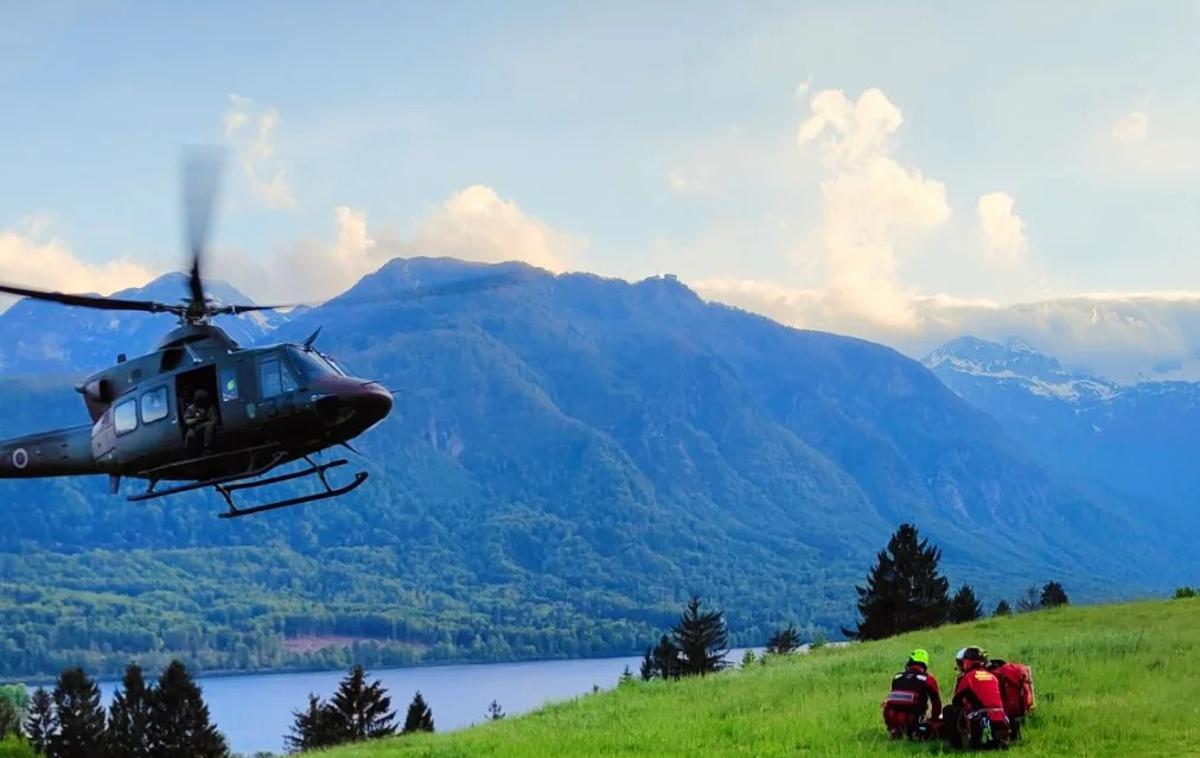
<point>317,469</point>
<point>228,484</point>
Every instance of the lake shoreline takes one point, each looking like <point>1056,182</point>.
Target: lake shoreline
<point>43,681</point>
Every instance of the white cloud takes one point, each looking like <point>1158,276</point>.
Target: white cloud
<point>678,181</point>
<point>802,308</point>
<point>30,256</point>
<point>1131,128</point>
<point>249,128</point>
<point>477,224</point>
<point>1003,230</point>
<point>1124,336</point>
<point>472,224</point>
<point>868,199</point>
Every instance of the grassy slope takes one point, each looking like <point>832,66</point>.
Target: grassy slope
<point>1111,680</point>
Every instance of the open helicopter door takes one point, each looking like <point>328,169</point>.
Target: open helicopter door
<point>187,384</point>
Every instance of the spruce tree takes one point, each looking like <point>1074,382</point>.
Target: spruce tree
<point>129,717</point>
<point>179,722</point>
<point>312,728</point>
<point>965,606</point>
<point>78,717</point>
<point>626,677</point>
<point>647,668</point>
<point>1002,609</point>
<point>667,664</point>
<point>904,590</point>
<point>784,641</point>
<point>420,717</point>
<point>702,639</point>
<point>1053,595</point>
<point>40,724</point>
<point>361,711</point>
<point>495,712</point>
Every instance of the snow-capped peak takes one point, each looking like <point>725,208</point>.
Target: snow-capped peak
<point>1018,363</point>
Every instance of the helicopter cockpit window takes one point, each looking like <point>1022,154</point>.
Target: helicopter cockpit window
<point>274,378</point>
<point>125,416</point>
<point>313,364</point>
<point>154,405</point>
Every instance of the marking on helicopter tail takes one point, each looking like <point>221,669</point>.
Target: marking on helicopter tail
<point>20,458</point>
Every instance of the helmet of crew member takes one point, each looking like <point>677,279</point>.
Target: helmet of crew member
<point>919,657</point>
<point>970,657</point>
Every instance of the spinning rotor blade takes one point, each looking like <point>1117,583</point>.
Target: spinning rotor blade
<point>201,178</point>
<point>91,301</point>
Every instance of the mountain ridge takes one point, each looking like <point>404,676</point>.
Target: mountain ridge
<point>571,457</point>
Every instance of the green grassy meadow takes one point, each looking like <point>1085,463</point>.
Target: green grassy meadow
<point>1117,680</point>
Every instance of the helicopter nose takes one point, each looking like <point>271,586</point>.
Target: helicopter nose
<point>370,401</point>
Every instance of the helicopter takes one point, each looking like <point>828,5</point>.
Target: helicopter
<point>259,407</point>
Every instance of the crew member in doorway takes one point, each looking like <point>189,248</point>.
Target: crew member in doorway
<point>200,421</point>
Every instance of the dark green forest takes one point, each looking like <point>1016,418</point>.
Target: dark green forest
<point>229,609</point>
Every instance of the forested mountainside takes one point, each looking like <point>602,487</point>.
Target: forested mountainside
<point>569,457</point>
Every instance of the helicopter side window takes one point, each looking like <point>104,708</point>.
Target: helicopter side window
<point>154,405</point>
<point>274,378</point>
<point>125,416</point>
<point>229,384</point>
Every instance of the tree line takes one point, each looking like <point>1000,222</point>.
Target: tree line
<point>905,591</point>
<point>161,719</point>
<point>169,719</point>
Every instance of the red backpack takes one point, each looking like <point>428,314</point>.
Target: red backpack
<point>1016,687</point>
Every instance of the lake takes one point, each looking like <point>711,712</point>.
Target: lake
<point>254,711</point>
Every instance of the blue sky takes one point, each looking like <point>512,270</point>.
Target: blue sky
<point>629,141</point>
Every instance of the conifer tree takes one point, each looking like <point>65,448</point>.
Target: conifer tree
<point>749,659</point>
<point>1053,595</point>
<point>965,606</point>
<point>495,712</point>
<point>40,724</point>
<point>129,717</point>
<point>702,639</point>
<point>667,664</point>
<point>1002,609</point>
<point>179,722</point>
<point>647,669</point>
<point>626,677</point>
<point>904,590</point>
<point>361,711</point>
<point>78,718</point>
<point>312,728</point>
<point>784,641</point>
<point>420,717</point>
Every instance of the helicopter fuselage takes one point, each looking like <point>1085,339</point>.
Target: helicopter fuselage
<point>288,398</point>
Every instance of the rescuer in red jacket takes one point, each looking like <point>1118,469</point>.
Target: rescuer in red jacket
<point>914,690</point>
<point>975,715</point>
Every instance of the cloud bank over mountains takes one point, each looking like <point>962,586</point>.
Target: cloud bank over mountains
<point>844,272</point>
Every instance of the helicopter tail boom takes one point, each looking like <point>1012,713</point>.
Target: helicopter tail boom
<point>60,452</point>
